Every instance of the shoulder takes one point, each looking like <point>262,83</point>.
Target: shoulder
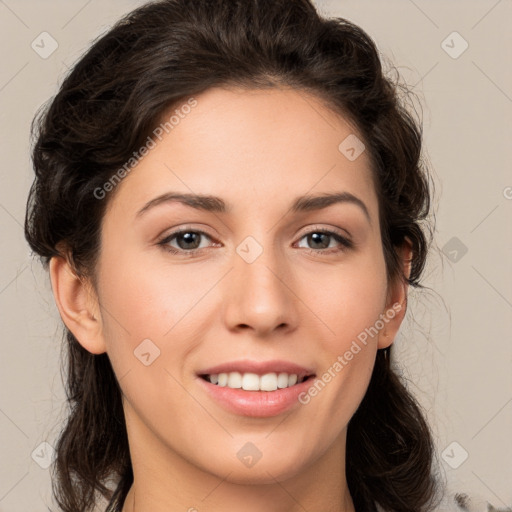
<point>462,502</point>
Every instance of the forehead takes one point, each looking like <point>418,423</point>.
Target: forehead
<point>250,145</point>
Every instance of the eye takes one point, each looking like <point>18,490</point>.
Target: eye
<point>187,240</point>
<point>321,240</point>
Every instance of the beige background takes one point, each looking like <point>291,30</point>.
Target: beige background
<point>455,348</point>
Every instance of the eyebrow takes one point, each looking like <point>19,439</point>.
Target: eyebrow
<point>217,205</point>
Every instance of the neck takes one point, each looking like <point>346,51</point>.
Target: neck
<point>165,481</point>
<point>249,498</point>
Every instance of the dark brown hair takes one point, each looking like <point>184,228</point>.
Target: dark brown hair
<point>115,95</point>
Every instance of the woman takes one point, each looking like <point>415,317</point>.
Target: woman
<point>231,203</point>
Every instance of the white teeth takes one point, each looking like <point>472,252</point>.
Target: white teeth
<point>292,379</point>
<point>250,382</point>
<point>253,382</point>
<point>223,379</point>
<point>235,380</point>
<point>268,382</point>
<point>282,380</point>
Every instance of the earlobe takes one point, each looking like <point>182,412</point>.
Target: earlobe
<point>396,304</point>
<point>393,317</point>
<point>77,304</point>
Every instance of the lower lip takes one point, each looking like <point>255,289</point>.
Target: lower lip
<point>256,404</point>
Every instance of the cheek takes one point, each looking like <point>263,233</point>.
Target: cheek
<point>349,307</point>
<point>149,299</point>
<point>350,300</point>
<point>145,316</point>
<point>146,298</point>
<point>348,352</point>
<point>133,299</point>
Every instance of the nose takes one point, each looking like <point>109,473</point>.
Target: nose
<point>259,295</point>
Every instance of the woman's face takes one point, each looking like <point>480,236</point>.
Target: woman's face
<point>250,286</point>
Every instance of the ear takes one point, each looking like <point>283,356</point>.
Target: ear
<point>396,302</point>
<point>78,305</point>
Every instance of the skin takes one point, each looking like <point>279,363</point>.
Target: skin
<point>258,150</point>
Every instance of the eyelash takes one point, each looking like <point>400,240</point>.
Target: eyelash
<point>344,242</point>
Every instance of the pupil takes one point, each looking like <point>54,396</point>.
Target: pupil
<point>188,237</point>
<point>315,236</point>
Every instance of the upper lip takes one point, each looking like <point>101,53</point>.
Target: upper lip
<point>258,367</point>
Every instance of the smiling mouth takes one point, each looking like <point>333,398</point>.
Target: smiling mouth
<point>253,382</point>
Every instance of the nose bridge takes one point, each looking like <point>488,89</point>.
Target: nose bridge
<point>258,296</point>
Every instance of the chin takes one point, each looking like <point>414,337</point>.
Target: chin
<point>260,472</point>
